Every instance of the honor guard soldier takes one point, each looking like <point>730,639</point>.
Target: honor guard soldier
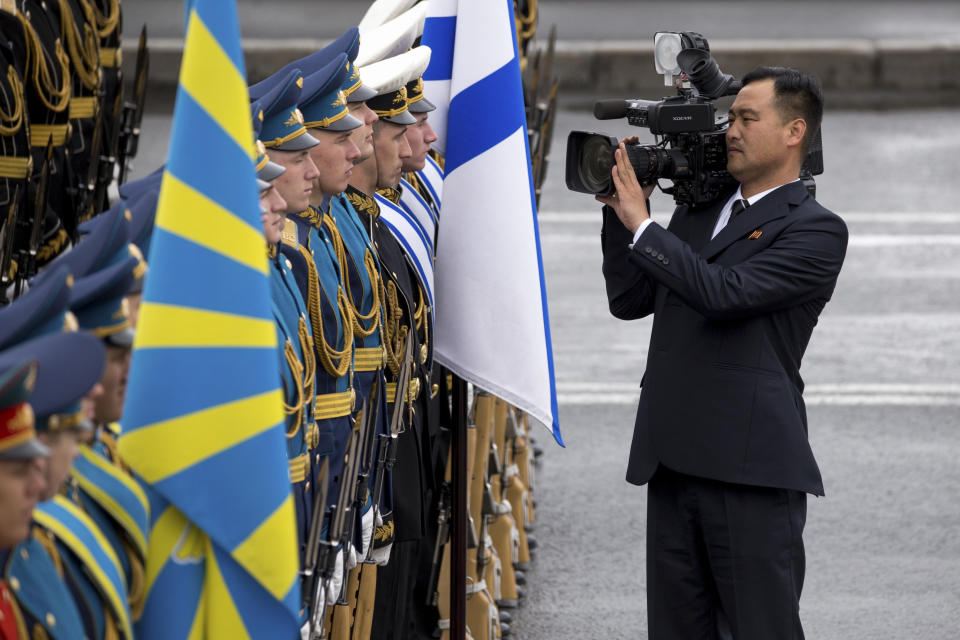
<point>47,87</point>
<point>27,571</point>
<point>63,537</point>
<point>297,364</point>
<point>101,484</point>
<point>403,306</point>
<point>317,276</point>
<point>422,177</point>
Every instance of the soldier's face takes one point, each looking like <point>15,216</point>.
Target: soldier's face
<point>296,183</point>
<point>363,136</point>
<point>419,136</point>
<point>391,150</point>
<point>21,483</point>
<point>334,156</point>
<point>272,207</point>
<point>64,449</point>
<point>109,406</point>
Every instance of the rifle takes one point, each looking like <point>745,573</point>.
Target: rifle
<point>132,114</point>
<point>6,247</point>
<point>443,533</point>
<point>27,264</point>
<point>341,523</point>
<point>387,453</point>
<point>87,190</point>
<point>314,559</point>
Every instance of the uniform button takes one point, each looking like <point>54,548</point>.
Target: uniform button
<point>14,583</point>
<point>660,257</point>
<point>666,261</point>
<point>24,554</point>
<point>51,620</point>
<point>648,249</point>
<point>306,487</point>
<point>289,265</point>
<point>318,458</point>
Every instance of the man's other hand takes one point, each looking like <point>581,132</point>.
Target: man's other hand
<point>629,199</point>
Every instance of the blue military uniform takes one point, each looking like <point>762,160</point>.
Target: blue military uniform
<point>296,360</point>
<point>85,593</point>
<point>316,272</point>
<point>100,483</point>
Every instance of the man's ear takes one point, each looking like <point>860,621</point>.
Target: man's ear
<point>796,130</point>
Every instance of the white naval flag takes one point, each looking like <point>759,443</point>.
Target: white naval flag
<point>492,326</point>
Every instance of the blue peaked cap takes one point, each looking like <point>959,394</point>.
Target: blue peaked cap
<point>282,121</point>
<point>68,366</point>
<point>323,102</point>
<point>39,311</point>
<point>349,44</point>
<point>103,246</point>
<point>99,302</point>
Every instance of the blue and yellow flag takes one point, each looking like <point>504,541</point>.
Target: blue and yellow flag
<point>203,422</point>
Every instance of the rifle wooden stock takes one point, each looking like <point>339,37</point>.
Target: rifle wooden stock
<point>342,616</point>
<point>363,614</point>
<point>483,419</point>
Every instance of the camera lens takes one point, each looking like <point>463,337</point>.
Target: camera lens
<point>596,164</point>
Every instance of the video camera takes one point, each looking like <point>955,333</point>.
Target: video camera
<point>690,146</point>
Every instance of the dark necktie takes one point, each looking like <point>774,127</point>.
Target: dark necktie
<point>738,207</point>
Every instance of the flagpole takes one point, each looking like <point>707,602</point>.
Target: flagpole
<point>458,528</point>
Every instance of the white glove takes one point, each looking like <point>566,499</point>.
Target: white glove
<point>335,583</point>
<point>380,554</point>
<point>366,527</point>
<point>305,631</point>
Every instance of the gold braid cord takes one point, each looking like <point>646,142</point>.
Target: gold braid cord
<point>309,361</point>
<point>394,335</point>
<point>85,50</point>
<point>106,24</point>
<point>55,99</point>
<point>10,123</point>
<point>420,316</point>
<point>295,409</point>
<point>327,353</point>
<point>344,259</point>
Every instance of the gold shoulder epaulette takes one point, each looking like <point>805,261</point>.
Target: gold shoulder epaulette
<point>289,233</point>
<point>362,202</point>
<point>312,215</point>
<point>390,194</point>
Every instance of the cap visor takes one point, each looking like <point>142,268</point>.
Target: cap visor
<point>362,94</point>
<point>301,142</point>
<point>262,185</point>
<point>122,338</point>
<point>346,123</point>
<point>401,118</point>
<point>29,449</point>
<point>270,172</point>
<point>421,106</point>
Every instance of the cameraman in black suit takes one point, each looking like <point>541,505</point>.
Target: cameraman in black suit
<point>735,288</point>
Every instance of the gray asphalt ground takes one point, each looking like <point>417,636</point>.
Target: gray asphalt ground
<point>882,369</point>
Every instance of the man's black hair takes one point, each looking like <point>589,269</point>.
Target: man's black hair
<point>797,95</point>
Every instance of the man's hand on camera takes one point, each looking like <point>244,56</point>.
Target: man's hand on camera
<point>629,199</point>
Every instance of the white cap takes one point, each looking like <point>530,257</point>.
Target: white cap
<point>391,74</point>
<point>382,11</point>
<point>392,38</point>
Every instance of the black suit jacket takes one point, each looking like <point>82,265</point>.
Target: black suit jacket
<point>722,394</point>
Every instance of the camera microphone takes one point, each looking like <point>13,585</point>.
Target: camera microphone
<point>610,109</point>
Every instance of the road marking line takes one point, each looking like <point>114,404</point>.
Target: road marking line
<point>834,394</point>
